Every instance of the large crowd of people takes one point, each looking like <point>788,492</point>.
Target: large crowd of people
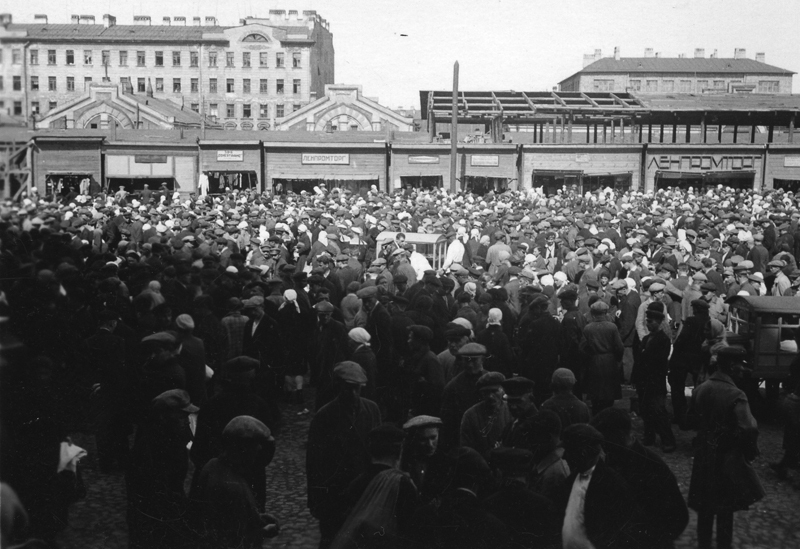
<point>472,400</point>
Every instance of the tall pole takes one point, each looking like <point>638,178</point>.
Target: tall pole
<point>454,132</point>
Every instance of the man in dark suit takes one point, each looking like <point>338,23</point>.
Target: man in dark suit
<point>330,346</point>
<point>539,340</point>
<point>106,353</point>
<point>597,504</point>
<point>261,341</point>
<point>192,359</point>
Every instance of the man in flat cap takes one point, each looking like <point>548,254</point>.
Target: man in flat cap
<point>720,412</point>
<point>162,370</point>
<point>597,503</point>
<point>564,402</point>
<point>337,447</point>
<point>425,375</point>
<point>571,335</point>
<point>538,340</point>
<point>262,342</point>
<point>192,358</point>
<point>422,459</point>
<point>651,381</point>
<point>328,347</point>
<point>483,424</point>
<point>227,512</point>
<point>603,345</point>
<point>379,326</point>
<point>781,284</point>
<point>461,393</point>
<point>519,398</point>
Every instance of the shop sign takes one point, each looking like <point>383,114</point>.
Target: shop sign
<point>791,161</point>
<point>314,158</point>
<point>230,156</point>
<point>420,159</point>
<point>484,160</point>
<point>150,159</point>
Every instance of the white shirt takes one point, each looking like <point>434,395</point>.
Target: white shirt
<point>455,253</point>
<point>573,533</point>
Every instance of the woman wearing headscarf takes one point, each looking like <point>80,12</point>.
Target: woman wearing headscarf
<point>295,324</point>
<point>361,353</point>
<point>499,354</point>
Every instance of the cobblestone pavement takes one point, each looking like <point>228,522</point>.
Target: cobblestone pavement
<point>99,520</point>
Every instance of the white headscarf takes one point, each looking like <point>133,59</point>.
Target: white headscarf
<point>290,296</point>
<point>360,336</point>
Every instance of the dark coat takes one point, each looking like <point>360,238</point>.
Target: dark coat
<point>571,336</point>
<point>193,361</point>
<point>499,353</point>
<point>531,518</point>
<point>459,395</point>
<point>364,356</point>
<point>650,373</point>
<point>540,351</point>
<point>264,344</point>
<point>723,480</point>
<point>626,321</point>
<point>605,349</point>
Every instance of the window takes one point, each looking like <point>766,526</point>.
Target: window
<point>768,86</point>
<point>176,85</point>
<point>246,59</point>
<point>16,56</point>
<point>263,58</point>
<point>246,85</point>
<point>159,84</point>
<point>279,86</point>
<point>176,59</point>
<point>212,85</point>
<point>719,84</point>
<point>279,111</point>
<point>702,85</point>
<point>195,107</point>
<point>685,86</point>
<point>51,57</point>
<point>105,55</point>
<point>16,83</point>
<point>212,59</point>
<point>669,86</point>
<point>213,109</point>
<point>51,83</point>
<point>70,83</point>
<point>87,57</point>
<point>635,85</point>
<point>17,108</point>
<point>126,83</point>
<point>140,85</point>
<point>87,82</point>
<point>229,85</point>
<point>263,86</point>
<point>34,83</point>
<point>279,60</point>
<point>34,57</point>
<point>296,60</point>
<point>651,85</point>
<point>603,85</point>
<point>194,85</point>
<point>246,111</point>
<point>193,59</point>
<point>255,38</point>
<point>230,110</point>
<point>140,59</point>
<point>263,111</point>
<point>123,58</point>
<point>229,58</point>
<point>296,107</point>
<point>34,107</point>
<point>296,86</point>
<point>159,59</point>
<point>52,105</point>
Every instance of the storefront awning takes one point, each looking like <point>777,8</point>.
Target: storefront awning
<point>69,172</point>
<point>559,173</point>
<point>730,175</point>
<point>678,175</point>
<point>327,177</point>
<point>705,175</point>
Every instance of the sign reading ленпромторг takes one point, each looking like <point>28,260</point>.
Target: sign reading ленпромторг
<point>314,158</point>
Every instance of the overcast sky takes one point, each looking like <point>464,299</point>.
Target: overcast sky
<point>396,48</point>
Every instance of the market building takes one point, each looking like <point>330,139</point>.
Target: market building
<point>699,74</point>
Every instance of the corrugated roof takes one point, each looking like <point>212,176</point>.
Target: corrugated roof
<point>721,102</point>
<point>120,33</point>
<point>681,65</point>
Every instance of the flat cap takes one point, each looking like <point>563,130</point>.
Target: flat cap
<point>777,263</point>
<point>699,277</point>
<point>517,386</point>
<point>246,427</point>
<point>700,304</point>
<point>490,380</point>
<point>184,322</point>
<point>400,279</point>
<point>162,338</point>
<point>455,331</point>
<point>421,332</point>
<point>599,307</point>
<point>657,287</point>
<point>472,349</point>
<point>653,314</point>
<point>324,307</point>
<point>563,377</point>
<point>733,352</point>
<point>581,434</point>
<point>619,285</point>
<point>568,295</point>
<point>174,399</point>
<point>255,301</point>
<point>240,368</point>
<point>368,292</point>
<point>350,372</point>
<point>422,422</point>
<point>708,286</point>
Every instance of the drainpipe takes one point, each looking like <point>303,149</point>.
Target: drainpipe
<point>26,108</point>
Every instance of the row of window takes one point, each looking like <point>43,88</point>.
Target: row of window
<point>177,87</point>
<point>683,86</point>
<point>247,58</point>
<point>247,110</point>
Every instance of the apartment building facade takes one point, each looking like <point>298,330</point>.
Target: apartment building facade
<point>246,77</point>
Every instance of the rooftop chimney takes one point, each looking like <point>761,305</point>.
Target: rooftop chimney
<point>616,53</point>
<point>648,52</point>
<point>588,59</point>
<point>699,53</point>
<point>40,18</point>
<point>681,56</point>
<point>87,19</point>
<point>292,14</point>
<point>166,21</point>
<point>75,19</point>
<point>5,19</point>
<point>109,20</point>
<point>179,21</point>
<point>761,57</point>
<point>714,55</point>
<point>141,20</point>
<point>658,54</point>
<point>598,54</point>
<point>739,53</point>
<point>211,21</point>
<point>196,21</point>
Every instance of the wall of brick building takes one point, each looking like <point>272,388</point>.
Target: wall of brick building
<point>591,160</point>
